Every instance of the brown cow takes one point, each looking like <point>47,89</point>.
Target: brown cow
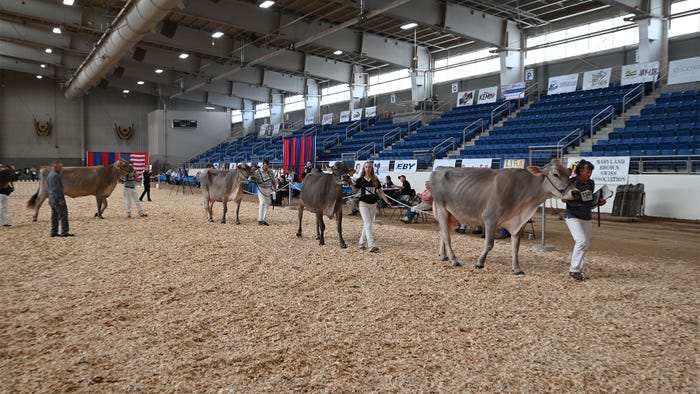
<point>98,181</point>
<point>323,194</point>
<point>222,186</point>
<point>497,198</point>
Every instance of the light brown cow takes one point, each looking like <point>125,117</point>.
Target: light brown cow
<point>98,181</point>
<point>495,198</point>
<point>222,186</point>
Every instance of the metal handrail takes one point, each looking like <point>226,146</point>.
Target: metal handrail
<point>361,150</point>
<point>626,99</point>
<point>410,121</point>
<point>311,131</point>
<point>464,130</point>
<point>559,147</point>
<point>255,146</point>
<point>533,86</point>
<point>391,133</point>
<point>357,123</point>
<point>611,114</point>
<point>335,136</point>
<point>496,111</point>
<point>448,141</point>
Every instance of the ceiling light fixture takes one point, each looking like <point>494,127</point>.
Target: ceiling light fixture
<point>159,70</point>
<point>48,50</point>
<point>125,91</point>
<point>68,2</point>
<point>209,107</point>
<point>39,77</point>
<point>409,26</point>
<point>217,34</point>
<point>43,66</point>
<point>140,82</point>
<point>338,52</point>
<point>266,4</point>
<point>184,55</point>
<point>56,30</point>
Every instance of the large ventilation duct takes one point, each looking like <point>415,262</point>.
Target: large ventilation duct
<point>140,19</point>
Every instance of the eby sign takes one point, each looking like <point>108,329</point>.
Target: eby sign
<point>405,165</point>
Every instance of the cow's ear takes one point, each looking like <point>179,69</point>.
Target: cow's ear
<point>534,170</point>
<point>351,172</point>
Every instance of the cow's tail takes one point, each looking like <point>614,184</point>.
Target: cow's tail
<point>32,201</point>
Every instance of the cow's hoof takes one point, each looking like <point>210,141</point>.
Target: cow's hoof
<point>321,242</point>
<point>223,222</point>
<point>456,264</point>
<point>34,220</point>
<point>210,220</point>
<point>343,246</point>
<point>445,259</point>
<point>97,215</point>
<point>478,266</point>
<point>520,273</point>
<point>237,222</point>
<point>101,217</point>
<point>298,235</point>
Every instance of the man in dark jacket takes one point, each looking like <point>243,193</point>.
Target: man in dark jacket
<point>57,201</point>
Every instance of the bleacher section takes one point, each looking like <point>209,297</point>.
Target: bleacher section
<point>562,120</point>
<point>363,143</point>
<point>446,133</point>
<point>671,126</point>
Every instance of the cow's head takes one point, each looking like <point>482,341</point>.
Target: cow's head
<point>556,178</point>
<point>124,166</point>
<point>341,170</point>
<point>246,171</point>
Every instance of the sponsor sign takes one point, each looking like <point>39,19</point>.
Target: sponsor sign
<point>344,116</point>
<point>514,163</point>
<point>684,70</point>
<point>370,112</point>
<point>639,73</point>
<point>444,163</point>
<point>405,165</point>
<point>487,95</point>
<point>612,170</point>
<point>327,119</point>
<point>465,98</point>
<point>356,114</point>
<point>476,163</point>
<point>596,79</point>
<point>309,120</point>
<point>514,91</point>
<point>562,84</point>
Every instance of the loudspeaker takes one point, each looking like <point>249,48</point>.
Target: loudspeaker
<point>103,83</point>
<point>139,54</point>
<point>168,28</point>
<point>118,72</point>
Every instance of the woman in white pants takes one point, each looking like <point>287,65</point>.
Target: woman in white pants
<point>578,216</point>
<point>370,190</point>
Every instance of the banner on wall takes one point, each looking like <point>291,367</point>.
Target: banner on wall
<point>139,160</point>
<point>381,169</point>
<point>344,116</point>
<point>356,114</point>
<point>514,91</point>
<point>444,163</point>
<point>477,163</point>
<point>596,79</point>
<point>639,73</point>
<point>297,151</point>
<point>465,98</point>
<point>562,84</point>
<point>612,170</point>
<point>487,95</point>
<point>263,130</point>
<point>371,112</point>
<point>276,128</point>
<point>684,70</point>
<point>327,119</point>
<point>514,163</point>
<point>308,120</point>
<point>405,165</point>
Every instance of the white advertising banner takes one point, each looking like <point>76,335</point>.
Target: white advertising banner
<point>405,165</point>
<point>327,119</point>
<point>639,73</point>
<point>684,70</point>
<point>465,98</point>
<point>444,163</point>
<point>476,163</point>
<point>263,129</point>
<point>514,163</point>
<point>356,114</point>
<point>308,120</point>
<point>612,170</point>
<point>596,79</point>
<point>344,116</point>
<point>487,95</point>
<point>381,169</point>
<point>562,84</point>
<point>370,112</point>
<point>276,128</point>
<point>514,91</point>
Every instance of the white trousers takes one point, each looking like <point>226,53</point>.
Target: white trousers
<point>4,202</point>
<point>263,206</point>
<point>131,195</point>
<point>581,232</point>
<point>368,212</point>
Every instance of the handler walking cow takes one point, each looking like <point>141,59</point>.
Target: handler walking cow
<point>504,198</point>
<point>222,186</point>
<point>98,181</point>
<point>323,194</point>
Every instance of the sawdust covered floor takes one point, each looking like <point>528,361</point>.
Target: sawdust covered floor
<point>172,303</point>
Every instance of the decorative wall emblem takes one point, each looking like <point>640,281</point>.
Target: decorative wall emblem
<point>124,133</point>
<point>42,129</point>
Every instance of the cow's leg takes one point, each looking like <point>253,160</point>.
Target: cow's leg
<point>320,229</point>
<point>207,208</point>
<point>489,227</point>
<point>41,196</point>
<point>300,215</point>
<point>223,218</point>
<point>101,206</point>
<point>445,251</point>
<point>238,208</point>
<point>515,248</point>
<point>339,222</point>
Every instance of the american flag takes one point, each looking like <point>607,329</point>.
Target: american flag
<point>137,159</point>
